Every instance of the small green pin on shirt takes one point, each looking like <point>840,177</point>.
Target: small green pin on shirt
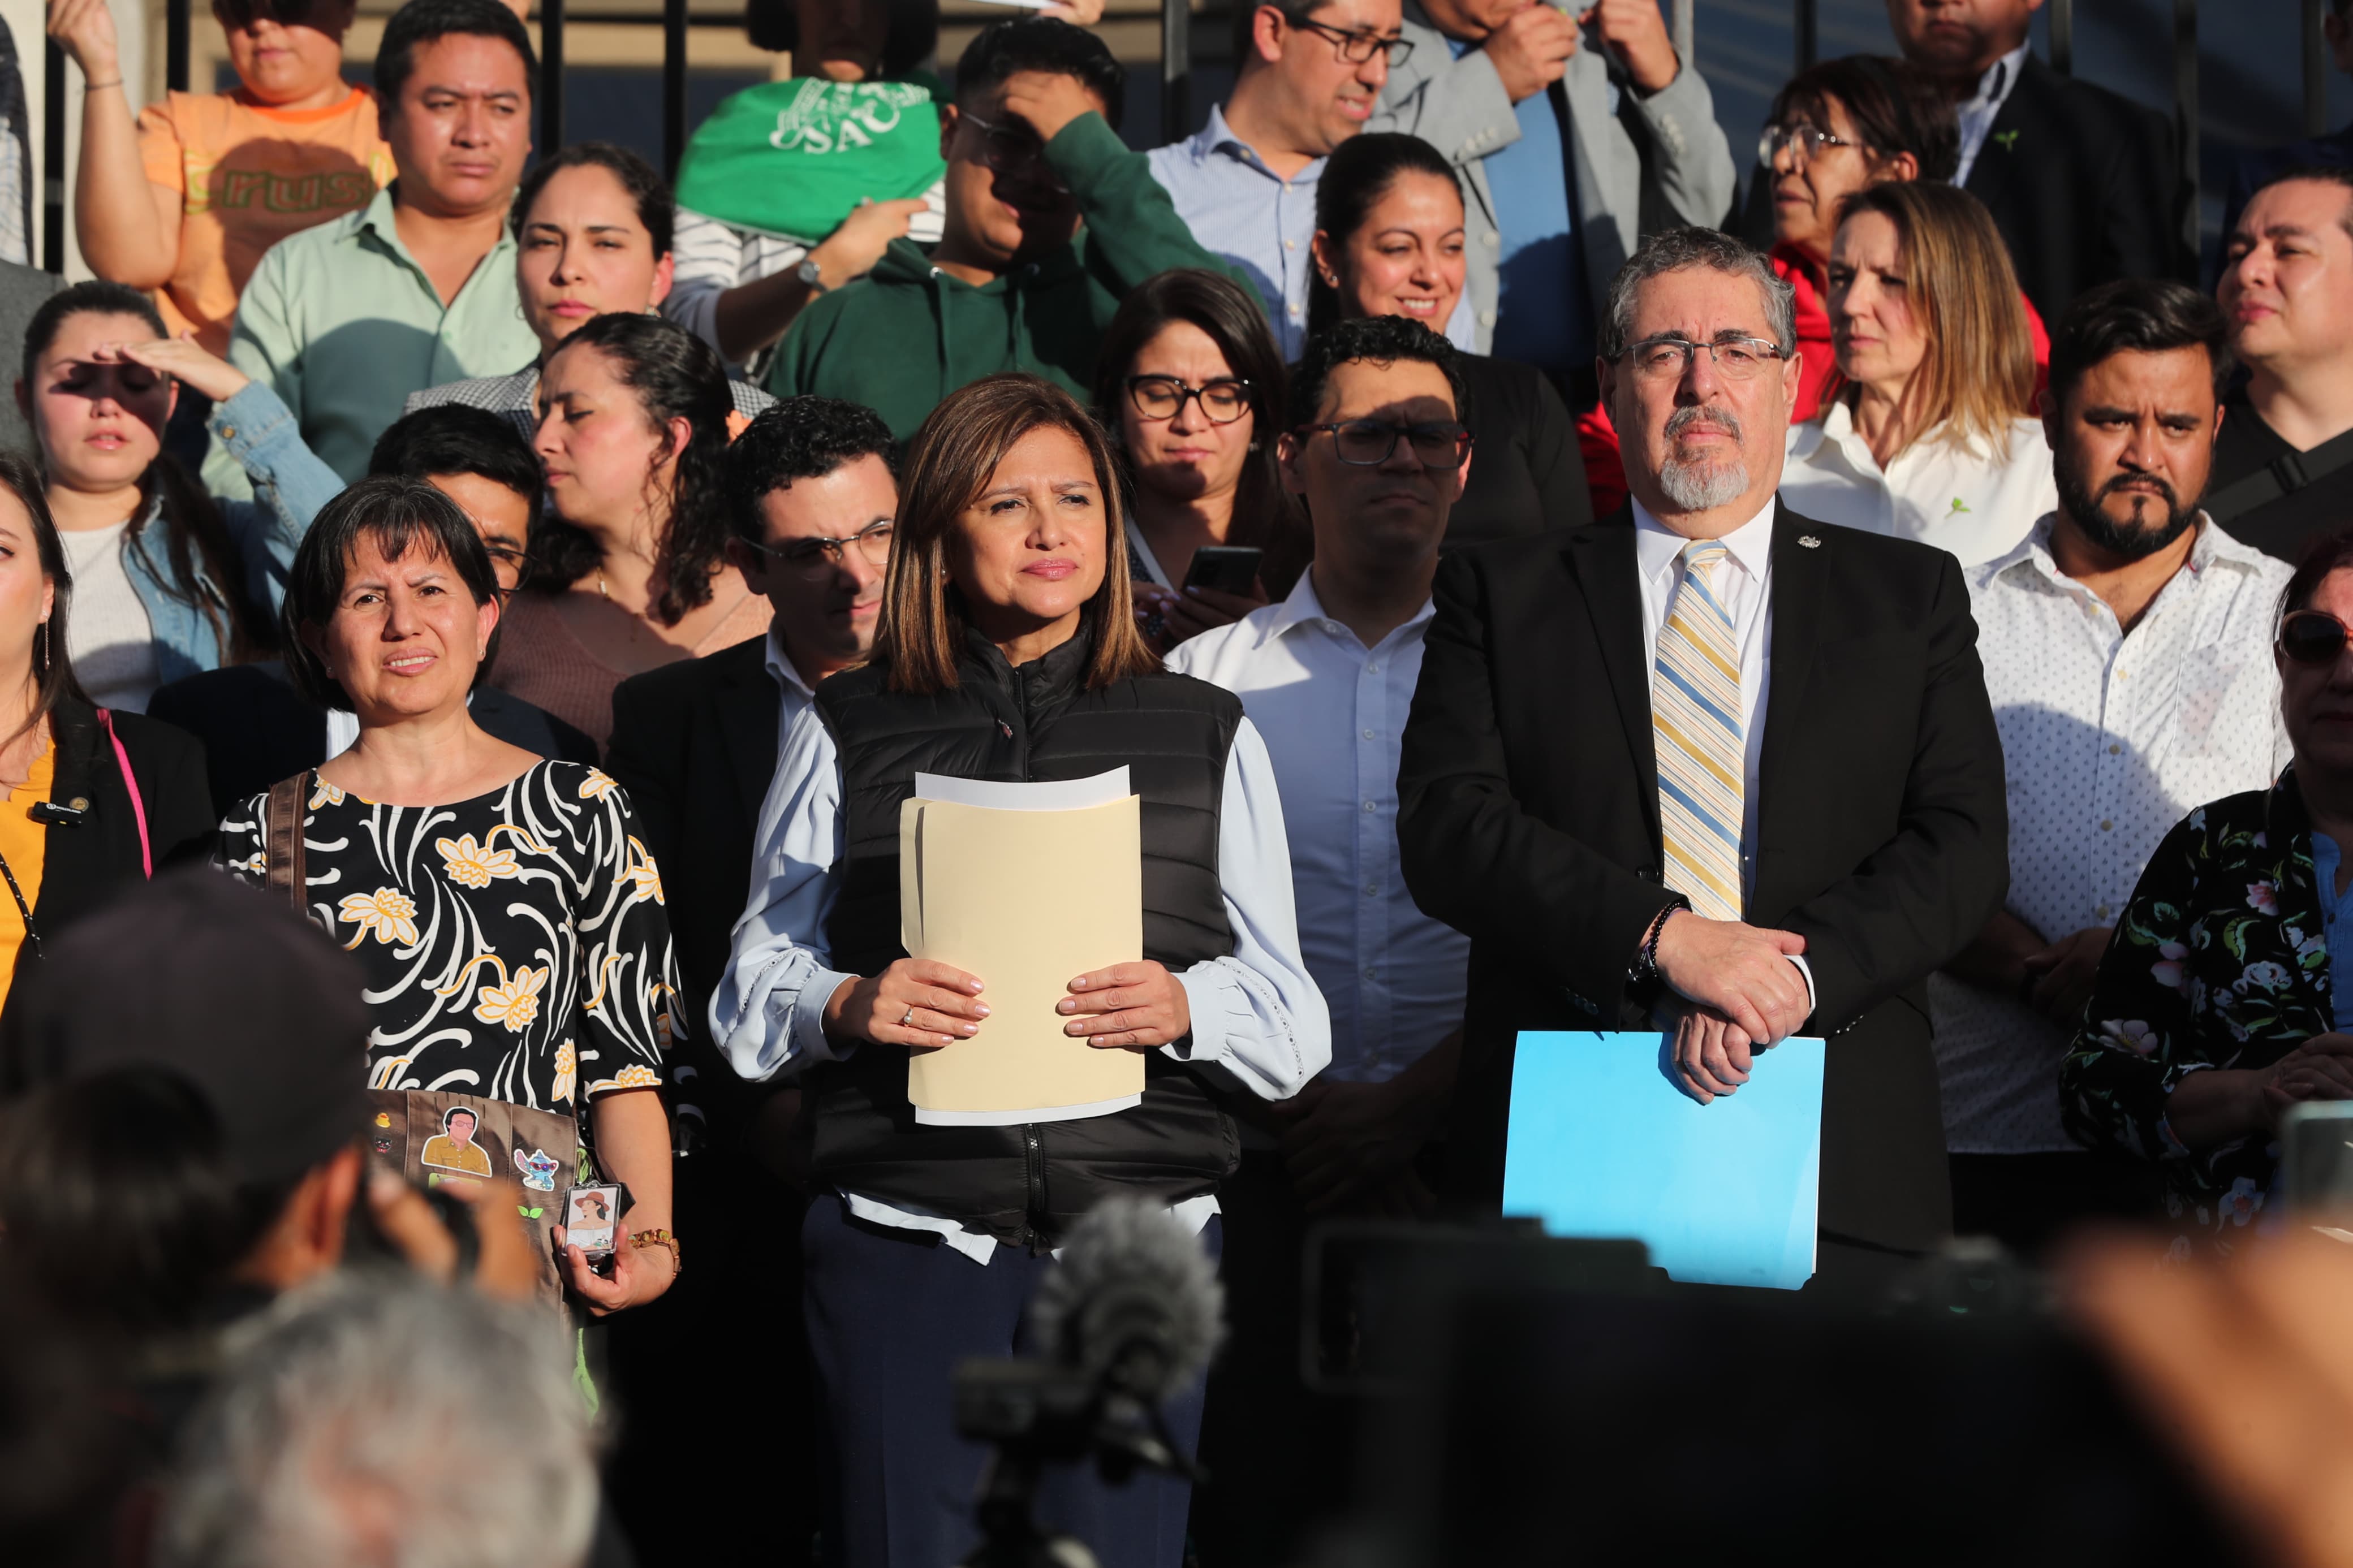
<point>2008,139</point>
<point>1959,506</point>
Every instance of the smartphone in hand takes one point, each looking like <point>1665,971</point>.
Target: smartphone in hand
<point>1224,568</point>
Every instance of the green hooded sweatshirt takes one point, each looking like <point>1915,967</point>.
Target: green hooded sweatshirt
<point>905,335</point>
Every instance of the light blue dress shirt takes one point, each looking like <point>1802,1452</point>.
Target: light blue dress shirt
<point>1542,314</point>
<point>1262,222</point>
<point>2336,921</point>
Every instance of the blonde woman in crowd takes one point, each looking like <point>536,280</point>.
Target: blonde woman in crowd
<point>1926,430</point>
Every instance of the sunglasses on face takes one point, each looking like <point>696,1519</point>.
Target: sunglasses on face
<point>2312,637</point>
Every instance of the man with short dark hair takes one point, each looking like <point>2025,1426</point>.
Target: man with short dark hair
<point>811,500</point>
<point>1713,763</point>
<point>344,321</point>
<point>1051,221</point>
<point>2127,652</point>
<point>1379,454</point>
<point>2081,181</point>
<point>257,728</point>
<point>1309,72</point>
<point>2286,285</point>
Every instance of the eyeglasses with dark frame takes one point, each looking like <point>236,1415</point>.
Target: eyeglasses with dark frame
<point>1808,139</point>
<point>2312,637</point>
<point>1670,356</point>
<point>1224,400</point>
<point>810,559</point>
<point>1010,149</point>
<point>1368,443</point>
<point>1356,48</point>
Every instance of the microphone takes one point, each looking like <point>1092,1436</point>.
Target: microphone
<point>1133,1303</point>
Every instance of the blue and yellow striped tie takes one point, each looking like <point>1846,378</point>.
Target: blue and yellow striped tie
<point>1695,721</point>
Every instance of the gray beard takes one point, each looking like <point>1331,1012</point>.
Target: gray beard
<point>1703,487</point>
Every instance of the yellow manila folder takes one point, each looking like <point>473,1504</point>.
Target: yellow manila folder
<point>1026,899</point>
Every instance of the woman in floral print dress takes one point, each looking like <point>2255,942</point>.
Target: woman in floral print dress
<point>509,917</point>
<point>2217,1002</point>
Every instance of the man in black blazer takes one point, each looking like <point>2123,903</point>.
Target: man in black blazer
<point>811,496</point>
<point>2082,182</point>
<point>1860,749</point>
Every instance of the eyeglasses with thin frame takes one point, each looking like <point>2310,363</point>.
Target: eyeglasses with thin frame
<point>1669,357</point>
<point>2313,636</point>
<point>1011,150</point>
<point>1808,139</point>
<point>1223,400</point>
<point>810,559</point>
<point>1356,48</point>
<point>1368,443</point>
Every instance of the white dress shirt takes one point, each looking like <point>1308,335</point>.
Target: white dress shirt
<point>1943,489</point>
<point>2108,740</point>
<point>1332,712</point>
<point>1977,115</point>
<point>1258,1021</point>
<point>1746,593</point>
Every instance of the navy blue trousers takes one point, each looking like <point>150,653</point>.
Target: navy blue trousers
<point>890,1313</point>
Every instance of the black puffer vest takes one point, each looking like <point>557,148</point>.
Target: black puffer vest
<point>1026,1184</point>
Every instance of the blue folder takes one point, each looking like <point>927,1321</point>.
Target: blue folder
<point>1603,1142</point>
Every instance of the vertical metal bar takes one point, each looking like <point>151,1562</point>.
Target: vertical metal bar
<point>175,45</point>
<point>2185,109</point>
<point>1176,68</point>
<point>53,159</point>
<point>1685,44</point>
<point>673,85</point>
<point>2316,71</point>
<point>2062,37</point>
<point>551,75</point>
<point>1806,21</point>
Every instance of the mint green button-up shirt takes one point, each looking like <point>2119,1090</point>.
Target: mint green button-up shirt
<point>342,323</point>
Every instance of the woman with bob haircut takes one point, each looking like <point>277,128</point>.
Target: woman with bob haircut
<point>508,920</point>
<point>1927,429</point>
<point>1190,384</point>
<point>1006,652</point>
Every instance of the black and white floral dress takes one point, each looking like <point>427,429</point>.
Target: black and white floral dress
<point>516,946</point>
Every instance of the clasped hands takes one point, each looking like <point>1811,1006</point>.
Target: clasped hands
<point>923,1005</point>
<point>1736,993</point>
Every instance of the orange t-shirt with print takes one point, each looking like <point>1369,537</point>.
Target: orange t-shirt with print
<point>249,176</point>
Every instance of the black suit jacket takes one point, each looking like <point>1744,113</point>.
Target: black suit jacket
<point>2082,185</point>
<point>1528,819</point>
<point>257,728</point>
<point>695,744</point>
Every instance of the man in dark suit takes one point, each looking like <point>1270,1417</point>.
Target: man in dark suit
<point>257,728</point>
<point>2082,182</point>
<point>811,496</point>
<point>1805,822</point>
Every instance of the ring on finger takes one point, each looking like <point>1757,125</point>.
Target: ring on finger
<point>908,1019</point>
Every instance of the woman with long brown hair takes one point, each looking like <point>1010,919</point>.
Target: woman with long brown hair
<point>1006,652</point>
<point>1927,430</point>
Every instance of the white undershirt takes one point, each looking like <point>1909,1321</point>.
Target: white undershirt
<point>108,633</point>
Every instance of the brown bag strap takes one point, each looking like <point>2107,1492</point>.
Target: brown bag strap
<point>282,830</point>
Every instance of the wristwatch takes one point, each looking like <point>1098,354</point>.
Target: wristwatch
<point>811,274</point>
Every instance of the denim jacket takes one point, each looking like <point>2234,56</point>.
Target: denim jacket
<point>290,486</point>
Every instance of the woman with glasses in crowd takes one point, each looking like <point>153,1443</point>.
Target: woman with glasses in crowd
<point>170,580</point>
<point>1835,128</point>
<point>1191,386</point>
<point>1388,242</point>
<point>630,572</point>
<point>95,800</point>
<point>1007,649</point>
<point>516,950</point>
<point>592,229</point>
<point>2226,995</point>
<point>1927,429</point>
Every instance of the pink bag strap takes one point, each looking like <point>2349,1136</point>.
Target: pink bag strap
<point>130,782</point>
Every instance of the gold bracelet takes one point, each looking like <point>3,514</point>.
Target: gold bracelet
<point>661,1238</point>
<point>100,86</point>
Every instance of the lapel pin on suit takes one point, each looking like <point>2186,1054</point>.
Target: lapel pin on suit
<point>1811,542</point>
<point>2008,139</point>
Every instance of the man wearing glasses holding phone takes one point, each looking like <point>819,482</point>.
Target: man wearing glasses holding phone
<point>1712,767</point>
<point>1310,74</point>
<point>1050,220</point>
<point>2127,649</point>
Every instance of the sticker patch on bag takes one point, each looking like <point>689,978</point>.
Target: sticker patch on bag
<point>454,1149</point>
<point>538,1169</point>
